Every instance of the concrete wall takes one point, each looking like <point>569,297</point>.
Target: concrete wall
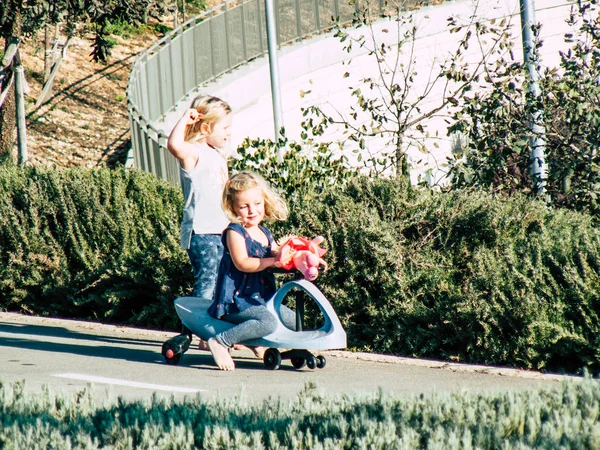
<point>318,66</point>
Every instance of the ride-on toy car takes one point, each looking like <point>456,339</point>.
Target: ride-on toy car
<point>298,343</point>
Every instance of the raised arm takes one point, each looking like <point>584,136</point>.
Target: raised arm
<point>178,146</point>
<point>239,255</point>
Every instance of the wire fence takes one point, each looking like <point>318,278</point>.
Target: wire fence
<point>207,46</point>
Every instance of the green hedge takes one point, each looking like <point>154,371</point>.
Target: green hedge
<point>463,276</point>
<point>95,244</point>
<point>567,417</point>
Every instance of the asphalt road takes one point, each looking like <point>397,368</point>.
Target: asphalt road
<point>68,356</point>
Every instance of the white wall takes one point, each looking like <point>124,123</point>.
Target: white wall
<point>318,65</point>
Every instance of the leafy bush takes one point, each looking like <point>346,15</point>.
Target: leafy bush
<point>496,118</point>
<point>195,5</point>
<point>104,245</point>
<point>124,29</point>
<point>465,276</point>
<point>161,28</point>
<point>94,244</point>
<point>302,168</point>
<point>564,417</point>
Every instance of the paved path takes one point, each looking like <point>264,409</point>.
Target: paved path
<point>68,356</point>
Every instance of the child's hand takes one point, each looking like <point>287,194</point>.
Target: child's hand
<point>192,116</point>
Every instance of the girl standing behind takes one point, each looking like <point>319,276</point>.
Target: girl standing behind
<point>199,142</point>
<point>244,284</point>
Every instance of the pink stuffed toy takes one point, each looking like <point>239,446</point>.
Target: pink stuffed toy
<point>303,255</point>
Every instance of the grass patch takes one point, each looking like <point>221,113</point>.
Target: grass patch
<point>565,417</point>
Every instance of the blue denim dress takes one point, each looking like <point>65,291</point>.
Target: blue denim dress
<point>236,290</point>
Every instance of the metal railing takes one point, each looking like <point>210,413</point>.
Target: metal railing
<point>201,49</point>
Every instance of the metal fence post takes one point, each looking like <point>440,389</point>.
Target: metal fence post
<point>20,103</point>
<point>298,20</point>
<point>317,15</point>
<point>274,70</point>
<point>244,42</point>
<point>212,53</point>
<point>227,46</point>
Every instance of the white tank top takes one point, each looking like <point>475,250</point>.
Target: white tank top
<point>202,189</point>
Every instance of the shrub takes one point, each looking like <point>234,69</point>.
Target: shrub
<point>95,244</point>
<point>496,119</point>
<point>302,169</point>
<point>465,276</point>
<point>564,417</point>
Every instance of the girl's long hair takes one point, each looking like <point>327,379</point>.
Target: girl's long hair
<point>211,110</point>
<point>275,206</point>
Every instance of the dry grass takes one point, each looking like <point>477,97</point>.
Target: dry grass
<point>83,122</point>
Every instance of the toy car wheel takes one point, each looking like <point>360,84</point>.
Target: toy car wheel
<point>171,358</point>
<point>272,359</point>
<point>321,362</point>
<point>298,362</point>
<point>311,362</point>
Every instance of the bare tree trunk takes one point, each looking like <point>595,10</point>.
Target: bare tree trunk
<point>55,44</point>
<point>20,109</point>
<point>8,111</point>
<point>401,161</point>
<point>47,89</point>
<point>47,46</point>
<point>8,126</point>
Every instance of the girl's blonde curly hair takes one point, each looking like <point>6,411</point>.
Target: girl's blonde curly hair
<point>211,110</point>
<point>275,206</point>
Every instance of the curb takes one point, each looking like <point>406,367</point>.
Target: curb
<point>454,367</point>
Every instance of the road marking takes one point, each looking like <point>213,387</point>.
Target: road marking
<point>135,384</point>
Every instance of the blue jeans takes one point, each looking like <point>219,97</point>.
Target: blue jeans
<point>205,254</point>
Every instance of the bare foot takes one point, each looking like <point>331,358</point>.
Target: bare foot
<point>259,352</point>
<point>235,347</point>
<point>221,355</point>
<point>203,345</point>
